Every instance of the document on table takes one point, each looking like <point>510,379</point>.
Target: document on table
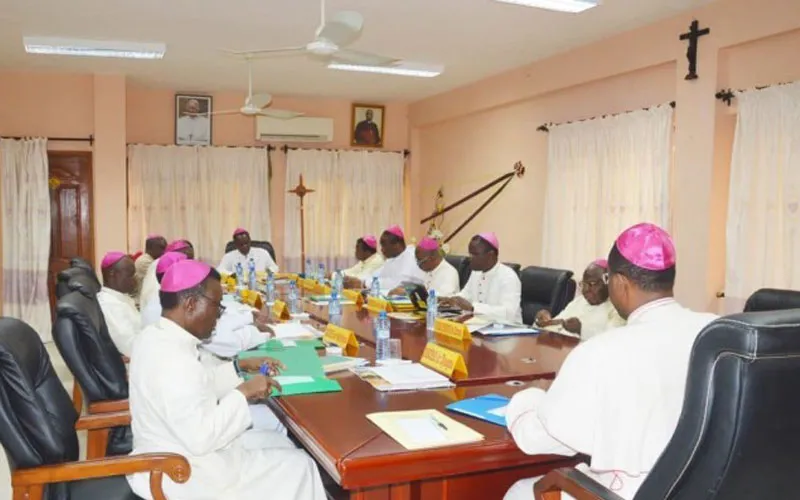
<point>294,331</point>
<point>421,429</point>
<point>293,379</point>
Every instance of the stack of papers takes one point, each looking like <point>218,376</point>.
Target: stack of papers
<point>422,429</point>
<point>295,331</point>
<point>402,377</point>
<point>332,364</point>
<point>491,408</point>
<point>500,329</point>
<point>324,299</point>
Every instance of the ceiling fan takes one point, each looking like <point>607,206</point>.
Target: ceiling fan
<point>256,104</point>
<point>332,35</point>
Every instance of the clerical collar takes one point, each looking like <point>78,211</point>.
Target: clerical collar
<point>117,294</point>
<point>649,307</point>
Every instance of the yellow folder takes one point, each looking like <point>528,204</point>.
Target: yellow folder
<point>422,429</point>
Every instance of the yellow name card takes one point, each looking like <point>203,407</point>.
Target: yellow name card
<point>450,329</point>
<point>286,276</point>
<point>377,304</point>
<point>280,311</point>
<point>307,284</point>
<point>449,363</point>
<point>252,298</point>
<point>346,339</point>
<point>320,289</point>
<point>355,296</point>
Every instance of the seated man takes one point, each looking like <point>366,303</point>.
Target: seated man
<point>369,259</point>
<point>154,247</point>
<point>119,308</point>
<point>180,405</point>
<point>243,253</point>
<point>618,397</point>
<point>590,313</point>
<point>439,274</point>
<point>493,289</point>
<point>149,283</point>
<point>400,266</point>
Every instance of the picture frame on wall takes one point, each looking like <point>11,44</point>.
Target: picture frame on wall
<point>367,126</point>
<point>193,119</point>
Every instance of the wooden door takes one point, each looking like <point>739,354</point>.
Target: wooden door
<point>70,211</point>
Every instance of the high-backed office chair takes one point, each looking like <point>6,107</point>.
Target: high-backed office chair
<point>74,278</point>
<point>739,430</point>
<point>266,245</point>
<point>545,288</point>
<point>82,338</point>
<point>461,263</point>
<point>772,299</point>
<point>516,267</point>
<point>37,431</point>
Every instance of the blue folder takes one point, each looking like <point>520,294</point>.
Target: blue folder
<point>481,408</point>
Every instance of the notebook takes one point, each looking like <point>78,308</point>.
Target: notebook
<point>402,377</point>
<point>423,429</point>
<point>502,329</point>
<point>490,407</point>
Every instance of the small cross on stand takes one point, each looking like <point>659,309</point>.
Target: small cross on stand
<point>301,191</point>
<point>693,36</point>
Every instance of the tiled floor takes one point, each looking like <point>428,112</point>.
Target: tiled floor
<point>66,377</point>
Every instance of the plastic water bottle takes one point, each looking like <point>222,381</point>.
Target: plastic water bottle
<point>382,335</point>
<point>309,270</point>
<point>270,287</point>
<point>335,309</point>
<point>321,273</point>
<point>338,282</point>
<point>433,311</point>
<point>294,301</point>
<point>239,275</point>
<point>375,289</point>
<point>251,274</point>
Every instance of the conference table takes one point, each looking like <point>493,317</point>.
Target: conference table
<point>366,464</point>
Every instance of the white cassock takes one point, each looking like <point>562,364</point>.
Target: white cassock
<point>365,268</point>
<point>444,280</point>
<point>142,264</point>
<point>193,130</point>
<point>261,258</point>
<point>150,285</point>
<point>179,405</point>
<point>233,334</point>
<point>617,398</point>
<point>594,319</point>
<point>495,294</point>
<point>398,270</point>
<point>122,318</point>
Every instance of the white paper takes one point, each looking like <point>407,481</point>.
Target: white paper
<point>289,343</point>
<point>499,412</point>
<point>421,430</point>
<point>408,373</point>
<point>292,331</point>
<point>293,379</point>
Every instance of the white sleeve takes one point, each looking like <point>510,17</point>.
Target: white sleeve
<point>509,301</point>
<point>270,264</point>
<point>121,327</point>
<point>225,378</point>
<point>522,420</point>
<point>450,284</point>
<point>226,264</point>
<point>468,292</point>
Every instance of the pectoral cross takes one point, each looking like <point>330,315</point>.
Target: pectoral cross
<point>301,191</point>
<point>693,36</point>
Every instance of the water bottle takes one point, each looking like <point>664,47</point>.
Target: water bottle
<point>433,311</point>
<point>382,335</point>
<point>335,309</point>
<point>270,287</point>
<point>309,270</point>
<point>294,301</point>
<point>375,289</point>
<point>239,275</point>
<point>321,273</point>
<point>251,274</point>
<point>338,282</point>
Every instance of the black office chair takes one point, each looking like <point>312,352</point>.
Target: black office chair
<point>82,339</point>
<point>738,435</point>
<point>76,278</point>
<point>545,288</point>
<point>266,245</point>
<point>772,299</point>
<point>461,263</point>
<point>37,431</point>
<point>516,267</point>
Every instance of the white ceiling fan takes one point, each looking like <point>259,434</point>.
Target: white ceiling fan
<point>257,104</point>
<point>332,35</point>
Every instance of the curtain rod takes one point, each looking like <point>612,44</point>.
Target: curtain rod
<point>89,139</point>
<point>546,127</point>
<point>728,95</point>
<point>285,148</point>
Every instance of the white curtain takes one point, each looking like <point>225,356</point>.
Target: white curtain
<point>198,193</point>
<point>604,175</point>
<point>26,232</point>
<point>356,193</point>
<point>763,229</point>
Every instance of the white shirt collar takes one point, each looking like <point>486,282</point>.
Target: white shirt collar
<point>643,309</point>
<point>177,331</point>
<point>117,295</point>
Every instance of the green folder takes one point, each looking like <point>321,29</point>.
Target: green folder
<point>277,345</point>
<point>300,361</point>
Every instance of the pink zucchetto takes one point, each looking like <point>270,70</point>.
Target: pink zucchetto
<point>647,246</point>
<point>240,230</point>
<point>428,244</point>
<point>167,260</point>
<point>397,231</point>
<point>176,245</point>
<point>111,258</point>
<point>601,263</point>
<point>370,241</point>
<point>491,239</point>
<point>184,275</point>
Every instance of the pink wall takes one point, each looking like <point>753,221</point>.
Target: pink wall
<point>468,136</point>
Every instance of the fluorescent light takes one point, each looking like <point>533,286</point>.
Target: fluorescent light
<point>402,69</point>
<point>94,48</point>
<point>573,6</point>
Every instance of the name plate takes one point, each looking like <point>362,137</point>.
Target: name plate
<point>452,330</point>
<point>307,284</point>
<point>355,296</point>
<point>346,339</point>
<point>321,289</point>
<point>252,298</point>
<point>286,276</point>
<point>280,311</point>
<point>377,304</point>
<point>449,363</point>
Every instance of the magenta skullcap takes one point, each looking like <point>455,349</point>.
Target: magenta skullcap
<point>647,246</point>
<point>396,230</point>
<point>370,241</point>
<point>184,274</point>
<point>240,230</point>
<point>112,258</point>
<point>153,236</point>
<point>491,239</point>
<point>428,244</point>
<point>177,245</point>
<point>601,263</point>
<point>166,261</point>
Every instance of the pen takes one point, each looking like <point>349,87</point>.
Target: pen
<point>439,424</point>
<point>264,369</point>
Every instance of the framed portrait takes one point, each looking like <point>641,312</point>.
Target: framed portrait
<point>193,120</point>
<point>367,125</point>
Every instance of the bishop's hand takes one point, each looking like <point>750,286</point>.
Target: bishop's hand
<point>258,388</point>
<point>543,318</point>
<point>457,303</point>
<point>573,325</point>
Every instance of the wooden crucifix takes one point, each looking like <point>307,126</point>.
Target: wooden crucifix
<point>693,36</point>
<point>301,191</point>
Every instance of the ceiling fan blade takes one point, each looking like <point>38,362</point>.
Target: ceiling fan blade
<point>363,58</point>
<point>343,28</point>
<point>261,52</point>
<point>281,114</point>
<point>260,100</point>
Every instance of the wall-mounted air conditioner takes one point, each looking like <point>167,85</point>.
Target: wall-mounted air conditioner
<point>300,129</point>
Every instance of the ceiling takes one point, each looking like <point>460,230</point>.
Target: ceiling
<point>472,38</point>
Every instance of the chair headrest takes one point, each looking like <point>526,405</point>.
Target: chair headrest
<point>772,299</point>
<point>538,283</point>
<point>77,278</point>
<point>752,334</point>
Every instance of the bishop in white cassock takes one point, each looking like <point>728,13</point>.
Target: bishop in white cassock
<point>401,262</point>
<point>493,290</point>
<point>617,398</point>
<point>180,405</point>
<point>119,308</point>
<point>369,259</point>
<point>438,274</point>
<point>150,283</point>
<point>154,247</point>
<point>242,254</point>
<point>591,312</point>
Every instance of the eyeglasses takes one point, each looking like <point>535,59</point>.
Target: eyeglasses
<point>606,278</point>
<point>591,284</point>
<point>423,260</point>
<point>220,307</point>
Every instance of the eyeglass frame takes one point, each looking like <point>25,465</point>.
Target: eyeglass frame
<point>220,307</point>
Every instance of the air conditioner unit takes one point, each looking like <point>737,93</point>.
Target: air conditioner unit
<point>300,129</point>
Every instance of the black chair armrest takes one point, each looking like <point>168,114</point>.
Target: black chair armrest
<point>575,483</point>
